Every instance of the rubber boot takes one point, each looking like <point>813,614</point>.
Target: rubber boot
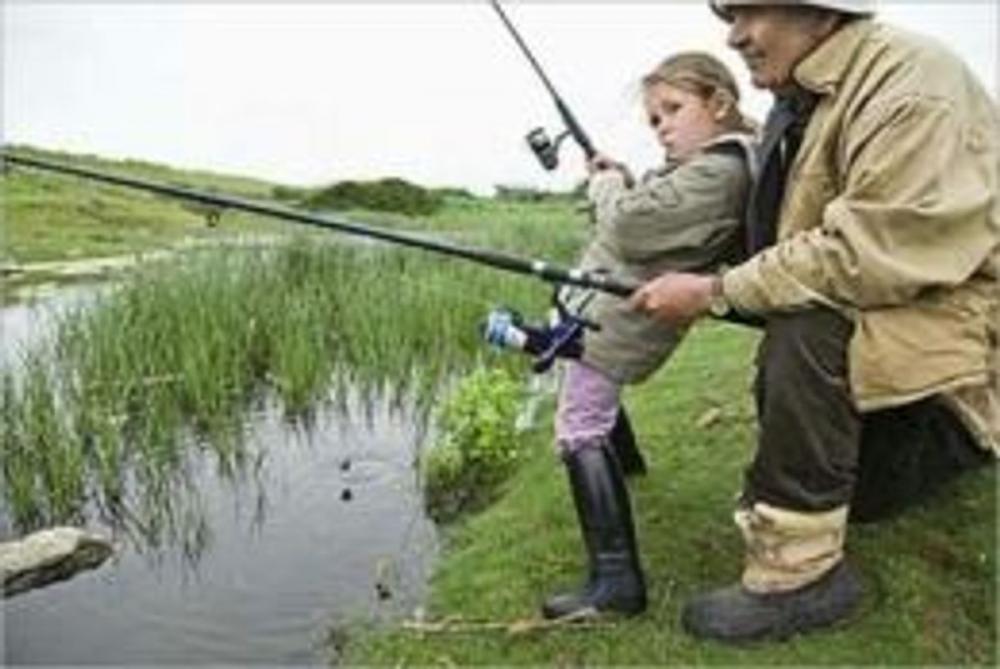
<point>623,444</point>
<point>614,582</point>
<point>736,615</point>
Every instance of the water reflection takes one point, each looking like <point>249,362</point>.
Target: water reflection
<point>31,316</point>
<point>242,554</point>
<point>281,556</point>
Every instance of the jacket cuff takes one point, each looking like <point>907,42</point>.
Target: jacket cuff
<point>741,288</point>
<point>604,183</point>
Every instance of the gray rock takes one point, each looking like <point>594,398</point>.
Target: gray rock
<point>48,556</point>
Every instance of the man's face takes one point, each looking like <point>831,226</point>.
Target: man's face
<point>773,39</point>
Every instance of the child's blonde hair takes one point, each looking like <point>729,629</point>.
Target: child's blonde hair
<point>706,76</point>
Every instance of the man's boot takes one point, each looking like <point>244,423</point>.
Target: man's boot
<point>795,579</point>
<point>614,582</point>
<point>735,614</point>
<point>623,444</point>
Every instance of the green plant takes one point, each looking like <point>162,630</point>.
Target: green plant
<point>477,448</point>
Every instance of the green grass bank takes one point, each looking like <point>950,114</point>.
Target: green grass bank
<point>931,575</point>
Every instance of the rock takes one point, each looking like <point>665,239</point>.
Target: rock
<point>48,556</point>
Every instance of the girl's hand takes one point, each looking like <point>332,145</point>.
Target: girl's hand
<point>603,163</point>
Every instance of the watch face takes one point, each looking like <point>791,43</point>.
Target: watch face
<point>719,306</point>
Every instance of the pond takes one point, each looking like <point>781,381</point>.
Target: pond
<point>324,527</point>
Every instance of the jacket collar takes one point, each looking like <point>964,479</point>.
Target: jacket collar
<point>823,69</point>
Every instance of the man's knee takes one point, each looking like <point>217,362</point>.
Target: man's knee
<point>806,344</point>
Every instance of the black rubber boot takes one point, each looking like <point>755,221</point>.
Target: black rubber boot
<point>735,615</point>
<point>623,444</point>
<point>615,582</point>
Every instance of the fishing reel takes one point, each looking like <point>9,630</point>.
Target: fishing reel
<point>545,148</point>
<point>561,337</point>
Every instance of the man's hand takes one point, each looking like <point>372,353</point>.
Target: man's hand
<point>676,298</point>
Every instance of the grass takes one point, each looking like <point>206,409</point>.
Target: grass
<point>931,574</point>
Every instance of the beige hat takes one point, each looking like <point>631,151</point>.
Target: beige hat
<point>857,7</point>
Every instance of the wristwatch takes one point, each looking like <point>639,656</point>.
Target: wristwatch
<point>719,306</point>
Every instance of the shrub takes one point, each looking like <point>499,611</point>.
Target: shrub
<point>391,194</point>
<point>477,447</point>
<point>291,194</point>
<point>457,193</point>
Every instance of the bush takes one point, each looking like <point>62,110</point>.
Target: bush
<point>291,194</point>
<point>391,194</point>
<point>478,446</point>
<point>457,193</point>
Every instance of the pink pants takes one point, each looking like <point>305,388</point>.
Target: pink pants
<point>588,407</point>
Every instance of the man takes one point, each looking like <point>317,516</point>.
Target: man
<point>873,243</point>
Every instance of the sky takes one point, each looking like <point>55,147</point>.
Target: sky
<point>309,94</point>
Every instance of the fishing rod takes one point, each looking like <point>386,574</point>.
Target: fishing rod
<point>545,148</point>
<point>509,263</point>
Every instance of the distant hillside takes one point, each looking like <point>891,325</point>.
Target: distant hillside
<point>53,217</point>
<point>201,179</point>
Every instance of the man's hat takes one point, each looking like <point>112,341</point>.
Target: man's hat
<point>857,7</point>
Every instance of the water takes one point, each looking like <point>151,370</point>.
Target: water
<point>325,527</point>
<point>27,320</point>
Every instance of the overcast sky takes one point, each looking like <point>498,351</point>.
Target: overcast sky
<point>313,93</point>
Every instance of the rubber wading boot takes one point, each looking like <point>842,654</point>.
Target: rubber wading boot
<point>623,444</point>
<point>614,580</point>
<point>737,615</point>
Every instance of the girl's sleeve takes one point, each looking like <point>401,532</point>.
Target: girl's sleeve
<point>679,214</point>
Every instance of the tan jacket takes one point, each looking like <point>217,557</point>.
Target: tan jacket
<point>684,217</point>
<point>892,216</point>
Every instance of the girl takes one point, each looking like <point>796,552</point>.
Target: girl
<point>683,217</point>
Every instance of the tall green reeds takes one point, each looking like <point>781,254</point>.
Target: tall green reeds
<point>104,414</point>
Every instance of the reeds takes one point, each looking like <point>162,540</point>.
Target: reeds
<point>104,412</point>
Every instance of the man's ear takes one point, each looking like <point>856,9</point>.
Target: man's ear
<point>826,22</point>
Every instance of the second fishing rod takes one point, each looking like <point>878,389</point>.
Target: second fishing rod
<point>541,144</point>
